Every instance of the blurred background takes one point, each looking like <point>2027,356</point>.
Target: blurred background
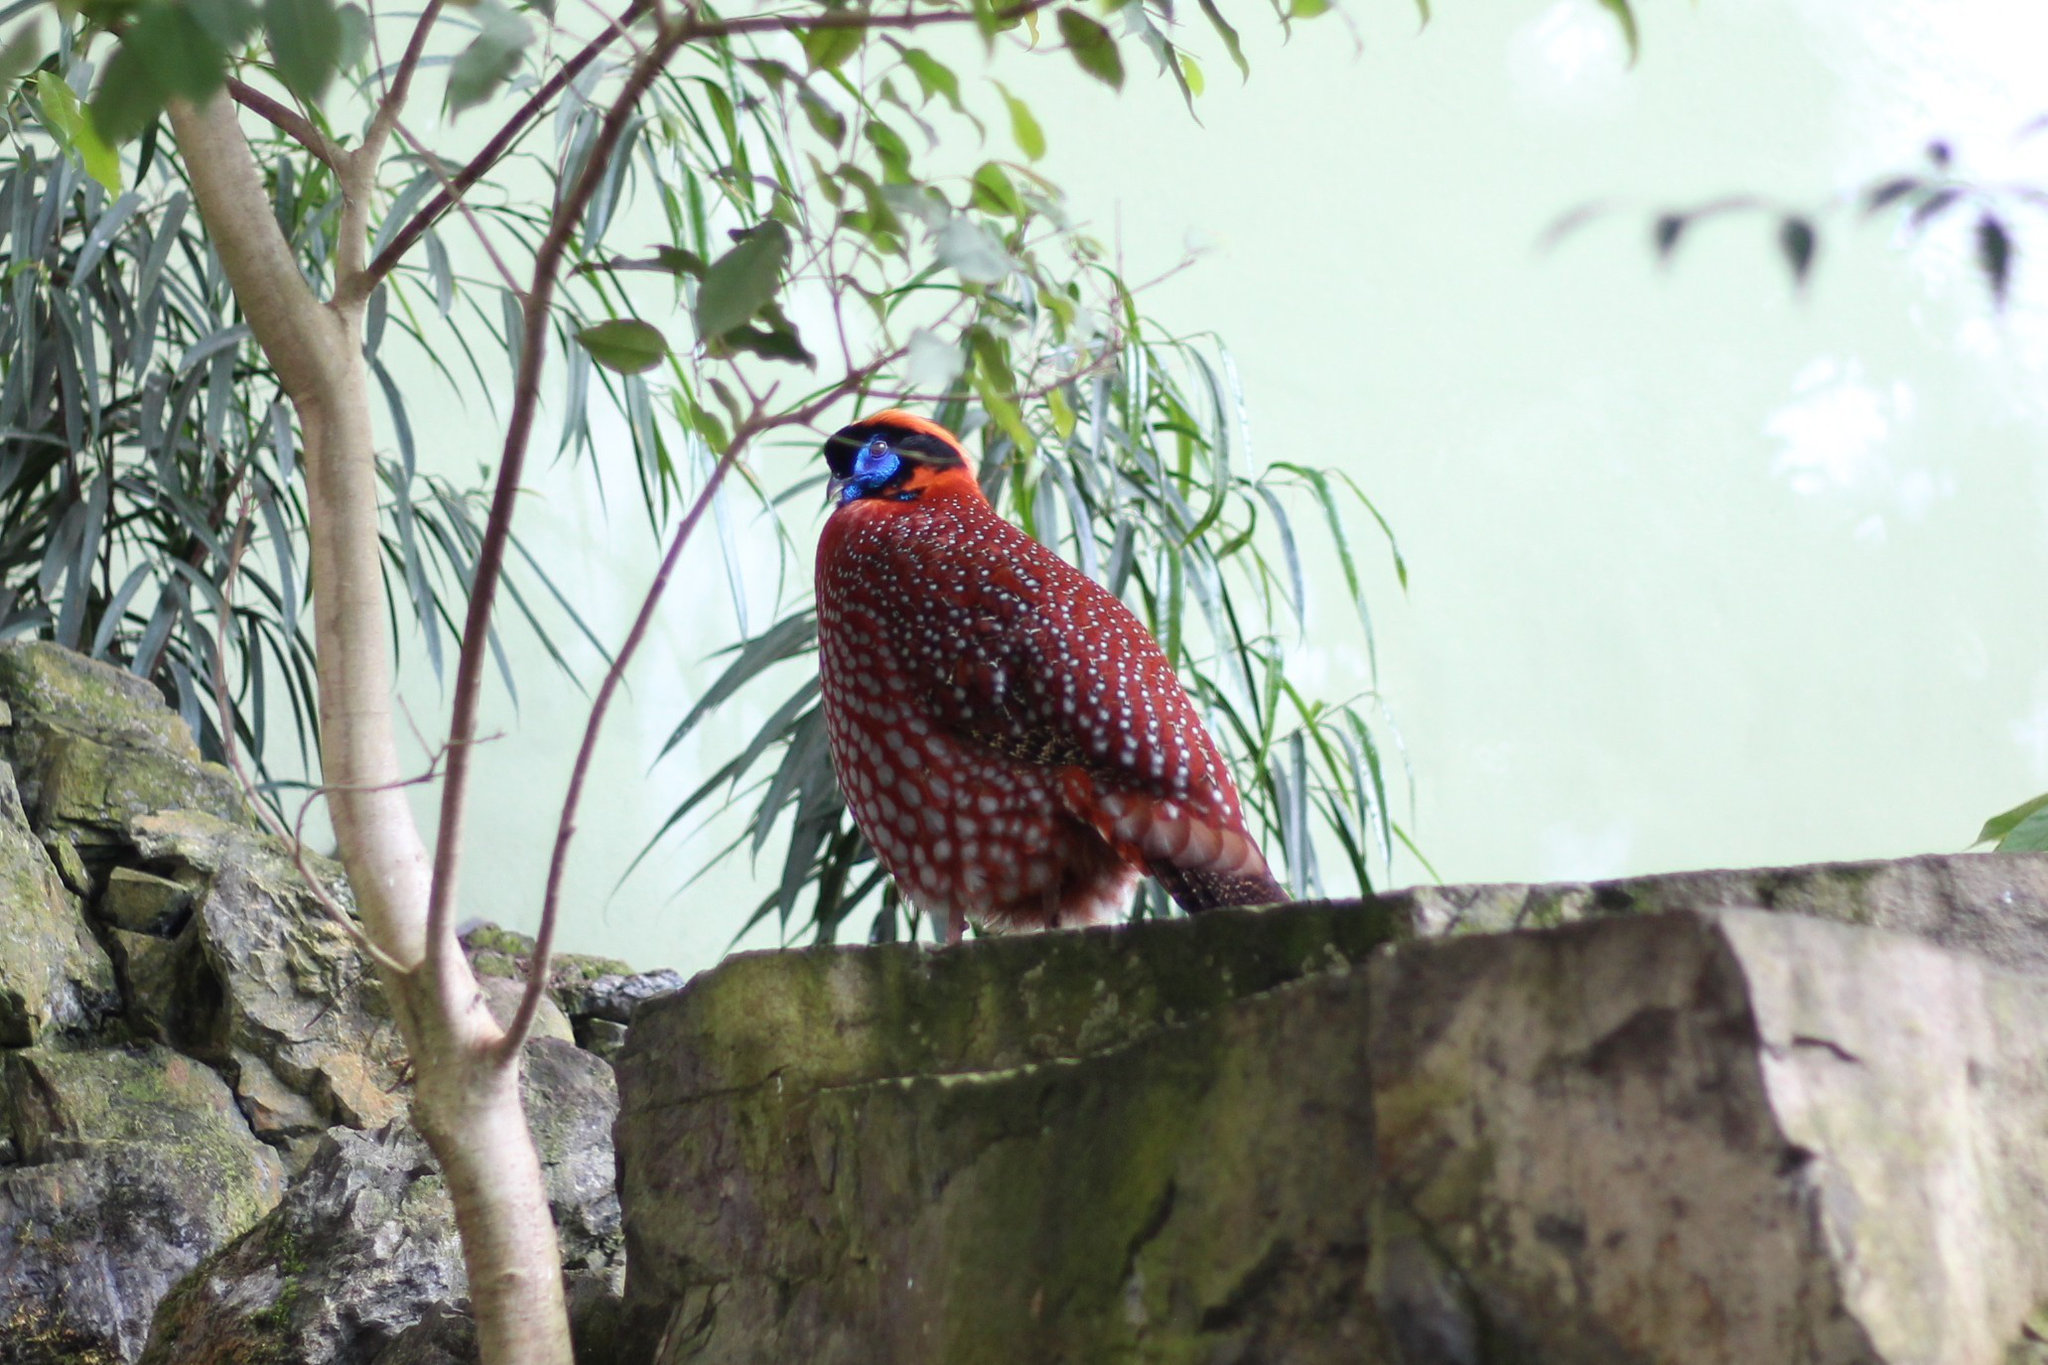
<point>1706,568</point>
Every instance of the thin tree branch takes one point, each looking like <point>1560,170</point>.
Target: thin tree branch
<point>565,830</point>
<point>490,558</point>
<point>691,29</point>
<point>538,968</point>
<point>491,154</point>
<point>476,224</point>
<point>394,99</point>
<point>286,120</point>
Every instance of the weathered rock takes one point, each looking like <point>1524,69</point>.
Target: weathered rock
<point>144,903</point>
<point>94,746</point>
<point>1993,904</point>
<point>1719,1137</point>
<point>502,996</point>
<point>495,951</point>
<point>613,996</point>
<point>363,1245</point>
<point>1108,1145</point>
<point>300,1008</point>
<point>445,1336</point>
<point>53,973</point>
<point>572,1101</point>
<point>136,1167</point>
<point>601,1036</point>
<point>1690,1137</point>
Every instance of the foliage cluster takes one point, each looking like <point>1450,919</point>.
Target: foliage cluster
<point>822,243</point>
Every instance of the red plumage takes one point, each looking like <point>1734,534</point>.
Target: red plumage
<point>1009,737</point>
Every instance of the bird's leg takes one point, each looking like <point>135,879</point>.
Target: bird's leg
<point>956,925</point>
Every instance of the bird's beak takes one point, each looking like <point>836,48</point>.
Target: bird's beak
<point>832,487</point>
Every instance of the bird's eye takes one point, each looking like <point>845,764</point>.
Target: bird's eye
<point>878,446</point>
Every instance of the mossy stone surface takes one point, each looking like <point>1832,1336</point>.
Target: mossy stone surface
<point>1992,904</point>
<point>54,975</point>
<point>1092,1146</point>
<point>134,1166</point>
<point>94,746</point>
<point>1721,1135</point>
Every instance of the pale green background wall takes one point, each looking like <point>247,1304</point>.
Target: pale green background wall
<point>1703,572</point>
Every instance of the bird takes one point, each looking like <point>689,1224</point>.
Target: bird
<point>1010,739</point>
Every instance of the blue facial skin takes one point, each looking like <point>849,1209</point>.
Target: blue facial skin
<point>875,467</point>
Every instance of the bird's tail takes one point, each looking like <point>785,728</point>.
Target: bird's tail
<point>1197,889</point>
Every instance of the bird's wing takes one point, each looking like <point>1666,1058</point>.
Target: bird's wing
<point>1031,658</point>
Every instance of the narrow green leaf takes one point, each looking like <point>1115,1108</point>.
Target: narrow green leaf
<point>490,59</point>
<point>934,77</point>
<point>1092,47</point>
<point>1024,128</point>
<point>1229,37</point>
<point>827,47</point>
<point>994,191</point>
<point>1999,826</point>
<point>2028,836</point>
<point>826,121</point>
<point>74,132</point>
<point>1625,15</point>
<point>740,282</point>
<point>626,345</point>
<point>305,43</point>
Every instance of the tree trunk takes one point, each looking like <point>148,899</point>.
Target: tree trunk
<point>466,1100</point>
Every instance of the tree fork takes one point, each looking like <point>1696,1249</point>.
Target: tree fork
<point>466,1100</point>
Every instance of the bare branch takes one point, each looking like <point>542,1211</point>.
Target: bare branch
<point>476,224</point>
<point>286,120</point>
<point>491,154</point>
<point>393,103</point>
<point>697,28</point>
<point>538,968</point>
<point>490,557</point>
<point>565,829</point>
<point>294,331</point>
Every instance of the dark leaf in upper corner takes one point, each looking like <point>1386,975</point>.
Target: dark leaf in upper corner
<point>739,283</point>
<point>1797,241</point>
<point>305,42</point>
<point>1994,256</point>
<point>1093,48</point>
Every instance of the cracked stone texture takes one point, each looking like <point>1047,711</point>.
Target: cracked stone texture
<point>54,976</point>
<point>133,1166</point>
<point>264,983</point>
<point>363,1249</point>
<point>1993,904</point>
<point>1060,1147</point>
<point>93,746</point>
<point>1690,1136</point>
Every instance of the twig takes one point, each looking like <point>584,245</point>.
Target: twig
<point>288,121</point>
<point>690,29</point>
<point>393,103</point>
<point>538,969</point>
<point>237,546</point>
<point>476,224</point>
<point>492,152</point>
<point>490,557</point>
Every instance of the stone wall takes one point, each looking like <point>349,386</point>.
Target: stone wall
<point>1797,1115</point>
<point>204,1152</point>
